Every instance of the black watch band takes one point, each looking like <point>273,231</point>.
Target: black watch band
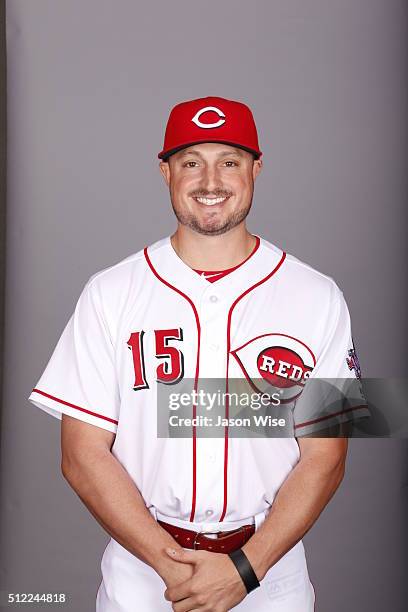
<point>245,570</point>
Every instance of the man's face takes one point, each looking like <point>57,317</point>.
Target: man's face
<point>211,186</point>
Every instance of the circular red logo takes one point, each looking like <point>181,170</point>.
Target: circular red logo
<point>282,367</point>
<point>276,363</point>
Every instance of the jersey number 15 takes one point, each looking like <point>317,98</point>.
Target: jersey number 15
<point>171,368</point>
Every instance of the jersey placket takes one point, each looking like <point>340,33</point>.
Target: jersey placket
<point>212,309</point>
<point>213,305</point>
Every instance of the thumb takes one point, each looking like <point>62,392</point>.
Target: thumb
<point>184,556</point>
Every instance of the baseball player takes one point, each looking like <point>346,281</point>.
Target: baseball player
<point>203,523</point>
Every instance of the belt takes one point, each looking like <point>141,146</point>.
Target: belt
<point>224,542</point>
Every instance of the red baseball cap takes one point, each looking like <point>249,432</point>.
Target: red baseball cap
<point>210,119</point>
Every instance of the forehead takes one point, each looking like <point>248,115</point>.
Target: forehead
<point>213,149</point>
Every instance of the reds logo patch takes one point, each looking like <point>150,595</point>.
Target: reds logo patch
<point>276,363</point>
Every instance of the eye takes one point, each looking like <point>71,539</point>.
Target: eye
<point>187,164</point>
<point>231,162</point>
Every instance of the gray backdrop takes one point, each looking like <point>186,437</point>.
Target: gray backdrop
<point>90,85</point>
<point>3,170</point>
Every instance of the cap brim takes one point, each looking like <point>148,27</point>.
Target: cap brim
<point>165,154</point>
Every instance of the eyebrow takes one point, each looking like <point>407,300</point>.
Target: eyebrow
<point>237,152</point>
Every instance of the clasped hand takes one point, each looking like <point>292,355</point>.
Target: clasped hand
<point>215,585</point>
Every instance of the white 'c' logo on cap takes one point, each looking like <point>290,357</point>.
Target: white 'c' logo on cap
<point>196,118</point>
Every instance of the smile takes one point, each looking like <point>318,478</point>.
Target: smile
<point>211,201</point>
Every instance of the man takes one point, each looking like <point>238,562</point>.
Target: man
<point>212,301</point>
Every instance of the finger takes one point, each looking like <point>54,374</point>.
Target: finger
<point>187,605</point>
<point>184,556</point>
<point>178,591</point>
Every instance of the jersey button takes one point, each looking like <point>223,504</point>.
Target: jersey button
<point>214,347</point>
<point>209,512</point>
<point>213,299</point>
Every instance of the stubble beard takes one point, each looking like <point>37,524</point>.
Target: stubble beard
<point>212,228</point>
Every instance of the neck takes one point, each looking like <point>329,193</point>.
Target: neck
<point>213,252</point>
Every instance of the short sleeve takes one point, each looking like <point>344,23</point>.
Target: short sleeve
<point>333,393</point>
<point>80,379</point>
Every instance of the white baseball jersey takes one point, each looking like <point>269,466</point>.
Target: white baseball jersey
<point>151,320</point>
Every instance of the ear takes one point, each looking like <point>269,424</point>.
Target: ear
<point>256,168</point>
<point>165,170</point>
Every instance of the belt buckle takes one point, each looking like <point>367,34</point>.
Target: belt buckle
<point>198,533</point>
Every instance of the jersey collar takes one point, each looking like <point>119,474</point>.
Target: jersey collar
<point>171,269</point>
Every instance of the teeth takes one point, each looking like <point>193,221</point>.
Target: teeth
<point>210,201</point>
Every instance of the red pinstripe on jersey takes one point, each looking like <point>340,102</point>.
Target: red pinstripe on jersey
<point>329,416</point>
<point>239,298</point>
<point>61,401</point>
<point>161,279</point>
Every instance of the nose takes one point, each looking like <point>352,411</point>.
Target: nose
<point>211,179</point>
